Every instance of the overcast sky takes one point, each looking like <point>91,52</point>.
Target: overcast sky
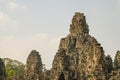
<point>40,24</point>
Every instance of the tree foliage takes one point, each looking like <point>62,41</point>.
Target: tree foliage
<point>13,68</point>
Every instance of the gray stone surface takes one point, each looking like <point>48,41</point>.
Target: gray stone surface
<point>80,56</point>
<point>109,63</point>
<point>33,68</point>
<point>115,74</point>
<point>117,60</point>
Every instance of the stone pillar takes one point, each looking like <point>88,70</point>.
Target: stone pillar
<point>33,68</point>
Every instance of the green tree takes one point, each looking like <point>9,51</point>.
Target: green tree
<point>13,68</point>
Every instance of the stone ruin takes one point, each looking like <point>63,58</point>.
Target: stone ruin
<point>2,70</point>
<point>115,73</point>
<point>117,60</point>
<point>81,57</point>
<point>33,68</point>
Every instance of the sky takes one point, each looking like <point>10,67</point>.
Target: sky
<point>27,25</point>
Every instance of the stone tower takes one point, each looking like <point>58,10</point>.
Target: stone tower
<point>2,70</point>
<point>115,74</point>
<point>80,56</point>
<point>117,60</point>
<point>33,68</point>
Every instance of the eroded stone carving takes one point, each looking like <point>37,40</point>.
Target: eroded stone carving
<point>115,74</point>
<point>117,60</point>
<point>33,68</point>
<point>80,56</point>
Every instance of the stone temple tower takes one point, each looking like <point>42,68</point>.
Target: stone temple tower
<point>33,68</point>
<point>80,56</point>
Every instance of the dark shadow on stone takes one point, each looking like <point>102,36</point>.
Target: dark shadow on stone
<point>62,77</point>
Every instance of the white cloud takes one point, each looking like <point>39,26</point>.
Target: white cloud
<point>15,6</point>
<point>19,48</point>
<point>6,22</point>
